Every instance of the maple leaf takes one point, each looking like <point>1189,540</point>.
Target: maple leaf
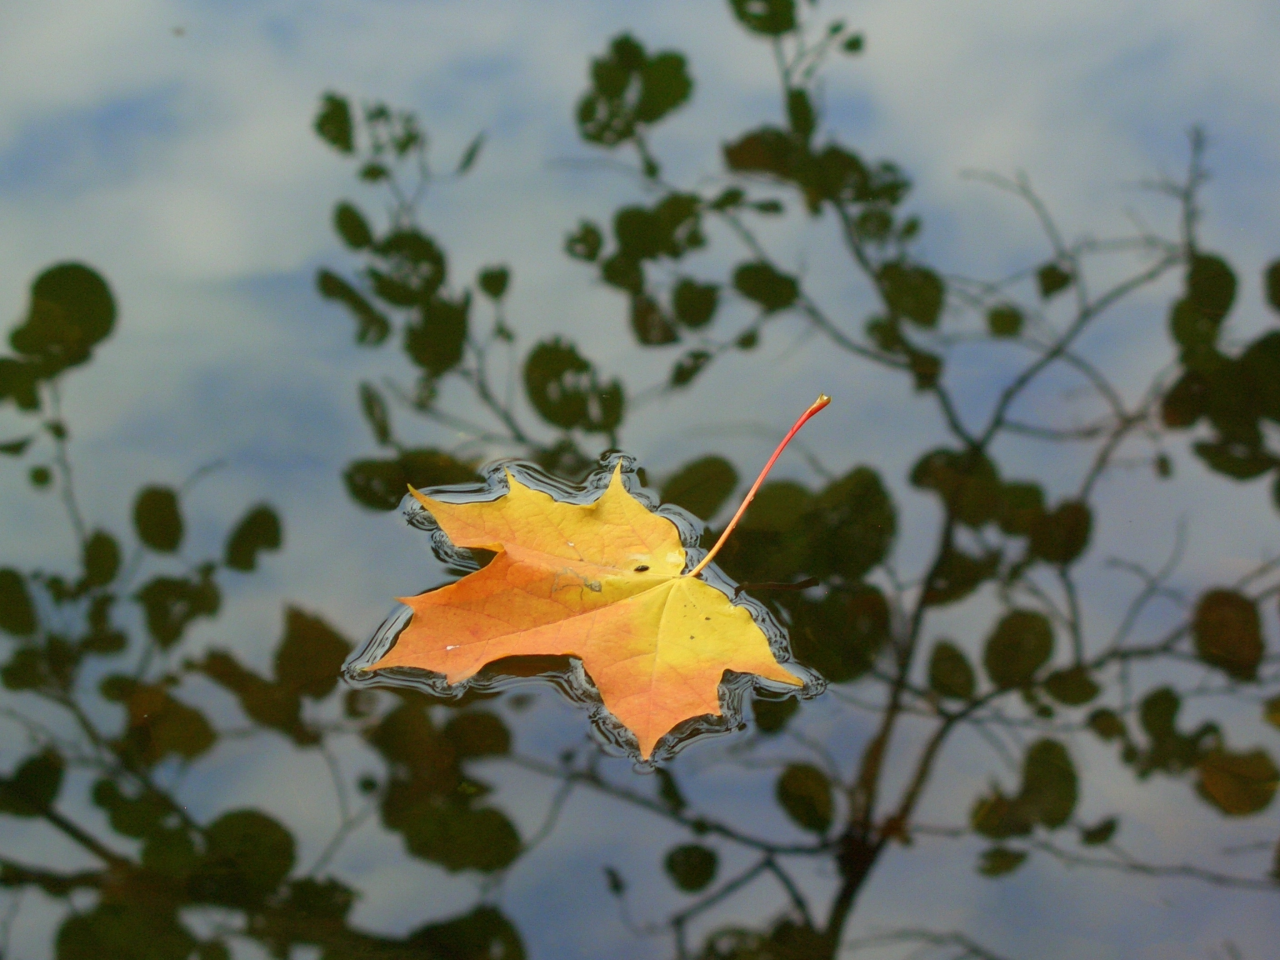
<point>603,582</point>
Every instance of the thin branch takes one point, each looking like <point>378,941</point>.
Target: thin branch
<point>554,810</point>
<point>14,874</point>
<point>1082,320</point>
<point>970,949</point>
<point>1124,863</point>
<point>347,827</point>
<point>679,920</point>
<point>63,462</point>
<point>695,823</point>
<point>797,898</point>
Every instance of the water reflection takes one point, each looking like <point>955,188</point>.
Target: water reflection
<point>473,610</point>
<point>113,706</point>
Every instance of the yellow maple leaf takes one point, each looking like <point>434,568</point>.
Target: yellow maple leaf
<point>603,582</point>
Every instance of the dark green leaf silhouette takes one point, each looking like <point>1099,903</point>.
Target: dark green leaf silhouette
<point>482,934</point>
<point>851,525</point>
<point>563,388</point>
<point>701,486</point>
<point>691,866</point>
<point>477,734</point>
<point>1238,784</point>
<point>333,123</point>
<point>15,448</point>
<point>158,724</point>
<point>431,802</point>
<point>841,634</point>
<point>157,519</point>
<point>101,559</point>
<point>134,815</point>
<point>1107,724</point>
<point>694,303</point>
<point>1020,645</point>
<point>630,88</point>
<point>72,310</point>
<point>767,151</point>
<point>950,674</point>
<point>171,603</point>
<point>998,861</point>
<point>493,281</point>
<point>772,715</point>
<point>124,931</point>
<point>769,17</point>
<point>34,785</point>
<point>1211,287</point>
<point>804,792</point>
<point>652,327</point>
<point>25,670</point>
<point>371,326</point>
<point>102,637</point>
<point>1021,505</point>
<point>247,854</point>
<point>436,341</point>
<point>968,483</point>
<point>1170,751</point>
<point>258,530</point>
<point>1071,687</point>
<point>1061,535</point>
<point>913,292</point>
<point>688,367</point>
<point>471,154</point>
<point>1186,401</point>
<point>17,614</point>
<point>1100,833</point>
<point>1000,817</point>
<point>1243,461</point>
<point>770,545</point>
<point>382,484</point>
<point>585,243</point>
<point>957,574</point>
<point>416,263</point>
<point>1052,279</point>
<point>1271,712</point>
<point>307,663</point>
<point>1271,284</point>
<point>1228,633</point>
<point>1004,320</point>
<point>1049,783</point>
<point>352,226</point>
<point>760,282</point>
<point>625,273</point>
<point>374,408</point>
<point>1048,796</point>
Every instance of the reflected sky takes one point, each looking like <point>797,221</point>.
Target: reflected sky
<point>170,145</point>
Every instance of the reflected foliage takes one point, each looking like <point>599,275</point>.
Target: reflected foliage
<point>821,556</point>
<point>403,294</point>
<point>122,698</point>
<point>101,676</point>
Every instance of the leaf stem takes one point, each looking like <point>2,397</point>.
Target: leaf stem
<point>817,405</point>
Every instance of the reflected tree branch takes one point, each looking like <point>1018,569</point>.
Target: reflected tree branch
<point>969,948</point>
